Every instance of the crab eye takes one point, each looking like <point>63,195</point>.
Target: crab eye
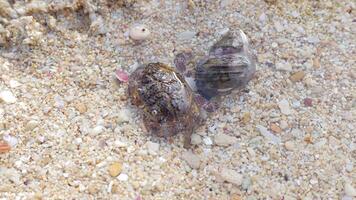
<point>154,112</point>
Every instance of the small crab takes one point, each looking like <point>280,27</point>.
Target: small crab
<point>229,66</point>
<point>167,102</point>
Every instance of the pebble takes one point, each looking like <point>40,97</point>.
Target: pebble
<point>11,140</point>
<point>275,128</point>
<point>246,183</point>
<point>349,167</point>
<point>7,97</point>
<point>284,107</point>
<point>115,169</point>
<point>32,124</point>
<point>297,76</point>
<point>207,141</point>
<point>97,130</point>
<point>231,176</point>
<point>349,190</point>
<point>123,177</point>
<point>196,139</point>
<point>152,147</point>
<point>14,84</point>
<point>289,145</point>
<point>4,147</point>
<point>263,130</point>
<point>139,32</point>
<point>246,118</point>
<point>308,102</point>
<point>284,66</point>
<point>186,35</point>
<point>192,159</point>
<point>81,107</point>
<point>222,139</point>
<point>123,116</point>
<point>283,124</point>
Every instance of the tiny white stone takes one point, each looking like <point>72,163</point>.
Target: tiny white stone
<point>284,107</point>
<point>192,159</point>
<point>289,145</point>
<point>123,115</point>
<point>152,147</point>
<point>120,144</point>
<point>139,32</point>
<point>349,190</point>
<point>284,66</point>
<point>97,130</point>
<point>123,177</point>
<point>231,176</point>
<point>11,140</point>
<point>273,138</point>
<point>14,83</point>
<point>32,124</point>
<point>196,139</point>
<point>7,97</point>
<point>283,124</point>
<point>221,139</point>
<point>207,141</point>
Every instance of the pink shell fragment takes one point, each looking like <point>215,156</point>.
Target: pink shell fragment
<point>122,75</point>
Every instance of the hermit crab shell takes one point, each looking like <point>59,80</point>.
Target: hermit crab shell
<point>229,65</point>
<point>165,98</point>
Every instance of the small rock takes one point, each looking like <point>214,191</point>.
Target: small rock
<point>278,26</point>
<point>283,124</point>
<point>124,115</point>
<point>284,66</point>
<point>120,144</point>
<point>346,198</point>
<point>4,147</point>
<point>123,177</point>
<point>246,117</point>
<point>308,102</point>
<point>349,190</point>
<point>196,139</point>
<point>152,147</point>
<point>289,145</point>
<point>115,169</point>
<point>349,167</point>
<point>186,35</point>
<point>81,107</point>
<point>275,128</point>
<point>246,183</point>
<point>14,84</point>
<point>139,32</point>
<point>7,97</point>
<point>32,124</point>
<point>11,140</point>
<point>207,141</point>
<point>263,130</point>
<point>192,159</point>
<point>284,107</point>
<point>121,75</point>
<point>97,130</point>
<point>231,176</point>
<point>221,139</point>
<point>298,76</point>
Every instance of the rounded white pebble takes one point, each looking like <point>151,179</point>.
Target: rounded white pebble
<point>139,32</point>
<point>123,177</point>
<point>7,97</point>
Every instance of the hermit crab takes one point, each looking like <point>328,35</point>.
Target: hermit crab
<point>229,66</point>
<point>166,100</point>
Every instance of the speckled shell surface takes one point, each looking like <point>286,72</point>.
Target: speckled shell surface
<point>229,65</point>
<point>166,100</point>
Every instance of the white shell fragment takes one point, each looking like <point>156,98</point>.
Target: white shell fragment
<point>139,32</point>
<point>7,97</point>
